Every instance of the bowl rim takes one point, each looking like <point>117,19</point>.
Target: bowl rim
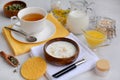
<point>62,39</point>
<point>12,2</point>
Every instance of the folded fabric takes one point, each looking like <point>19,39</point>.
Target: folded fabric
<point>85,52</point>
<point>19,48</point>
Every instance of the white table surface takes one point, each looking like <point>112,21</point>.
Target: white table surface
<point>108,8</point>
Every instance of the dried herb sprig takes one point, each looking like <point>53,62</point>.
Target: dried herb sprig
<point>14,7</point>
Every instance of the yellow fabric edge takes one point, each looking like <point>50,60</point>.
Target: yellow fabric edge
<point>6,38</point>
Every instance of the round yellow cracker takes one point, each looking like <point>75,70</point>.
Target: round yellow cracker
<point>33,68</point>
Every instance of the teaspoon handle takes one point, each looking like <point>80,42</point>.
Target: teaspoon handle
<point>16,31</point>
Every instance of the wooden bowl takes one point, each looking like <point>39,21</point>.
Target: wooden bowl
<point>59,61</point>
<point>9,12</point>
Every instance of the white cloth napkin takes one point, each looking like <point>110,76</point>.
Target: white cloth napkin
<point>85,52</point>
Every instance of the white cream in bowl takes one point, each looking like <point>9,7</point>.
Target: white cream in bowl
<point>61,49</point>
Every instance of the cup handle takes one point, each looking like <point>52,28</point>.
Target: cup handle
<point>14,20</point>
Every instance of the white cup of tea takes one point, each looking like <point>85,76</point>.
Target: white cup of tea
<point>32,19</point>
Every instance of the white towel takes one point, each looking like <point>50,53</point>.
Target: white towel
<point>85,52</point>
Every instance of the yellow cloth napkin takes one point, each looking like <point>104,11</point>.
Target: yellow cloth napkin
<point>21,48</point>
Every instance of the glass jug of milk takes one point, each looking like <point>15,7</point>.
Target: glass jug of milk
<point>78,18</point>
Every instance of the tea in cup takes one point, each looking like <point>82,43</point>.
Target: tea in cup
<point>32,19</point>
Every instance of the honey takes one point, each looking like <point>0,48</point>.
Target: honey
<point>94,38</point>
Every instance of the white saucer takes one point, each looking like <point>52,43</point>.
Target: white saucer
<point>48,31</point>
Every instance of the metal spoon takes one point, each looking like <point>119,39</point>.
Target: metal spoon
<point>10,59</point>
<point>29,38</point>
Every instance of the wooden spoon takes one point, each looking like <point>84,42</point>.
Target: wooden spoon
<point>10,59</point>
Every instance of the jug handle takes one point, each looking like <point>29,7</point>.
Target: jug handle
<point>90,10</point>
<point>87,5</point>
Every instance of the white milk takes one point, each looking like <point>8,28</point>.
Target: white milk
<point>76,21</point>
<point>61,49</point>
